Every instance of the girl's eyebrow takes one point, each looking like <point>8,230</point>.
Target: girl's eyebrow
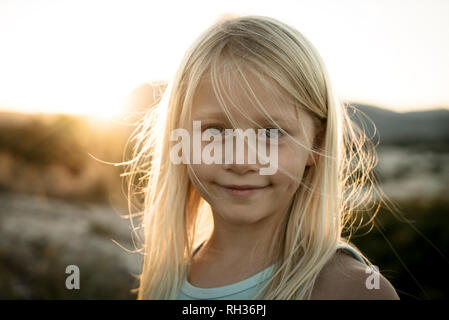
<point>213,115</point>
<point>208,115</point>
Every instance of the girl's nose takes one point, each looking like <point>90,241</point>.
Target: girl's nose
<point>242,157</point>
<point>241,169</point>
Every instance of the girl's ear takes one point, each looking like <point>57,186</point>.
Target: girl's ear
<point>318,145</point>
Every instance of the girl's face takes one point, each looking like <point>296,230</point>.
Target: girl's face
<point>237,193</point>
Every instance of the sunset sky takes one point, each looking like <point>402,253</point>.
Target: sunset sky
<point>87,56</point>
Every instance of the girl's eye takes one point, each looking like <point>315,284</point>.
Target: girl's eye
<point>272,133</point>
<point>214,131</point>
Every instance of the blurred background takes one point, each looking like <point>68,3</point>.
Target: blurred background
<point>76,75</point>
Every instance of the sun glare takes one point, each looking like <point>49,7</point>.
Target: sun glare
<point>85,58</point>
<point>107,103</point>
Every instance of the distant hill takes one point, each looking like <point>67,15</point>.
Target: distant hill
<point>393,127</point>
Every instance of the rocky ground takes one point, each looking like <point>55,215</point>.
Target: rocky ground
<point>41,237</point>
<point>414,173</point>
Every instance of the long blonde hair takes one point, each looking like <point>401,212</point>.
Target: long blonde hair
<point>174,217</point>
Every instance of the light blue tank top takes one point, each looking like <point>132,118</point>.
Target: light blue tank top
<point>242,290</point>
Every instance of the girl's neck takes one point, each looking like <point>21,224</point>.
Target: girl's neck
<point>261,247</point>
<point>237,251</point>
<point>208,262</point>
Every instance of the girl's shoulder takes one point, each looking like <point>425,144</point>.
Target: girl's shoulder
<point>346,278</point>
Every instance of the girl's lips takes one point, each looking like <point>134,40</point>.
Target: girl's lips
<point>243,187</point>
<point>243,190</point>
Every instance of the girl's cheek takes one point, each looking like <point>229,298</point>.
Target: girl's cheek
<point>204,172</point>
<point>293,160</point>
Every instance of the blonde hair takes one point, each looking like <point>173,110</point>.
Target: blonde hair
<point>174,217</point>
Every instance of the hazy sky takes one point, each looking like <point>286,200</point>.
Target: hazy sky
<point>86,56</point>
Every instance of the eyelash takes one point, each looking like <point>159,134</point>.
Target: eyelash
<point>267,132</point>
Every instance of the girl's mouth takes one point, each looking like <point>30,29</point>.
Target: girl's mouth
<point>243,190</point>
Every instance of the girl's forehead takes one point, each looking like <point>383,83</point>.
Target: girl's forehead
<point>255,103</point>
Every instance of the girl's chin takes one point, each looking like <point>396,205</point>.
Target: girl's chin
<point>241,216</point>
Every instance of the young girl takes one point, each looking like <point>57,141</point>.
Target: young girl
<point>223,230</point>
